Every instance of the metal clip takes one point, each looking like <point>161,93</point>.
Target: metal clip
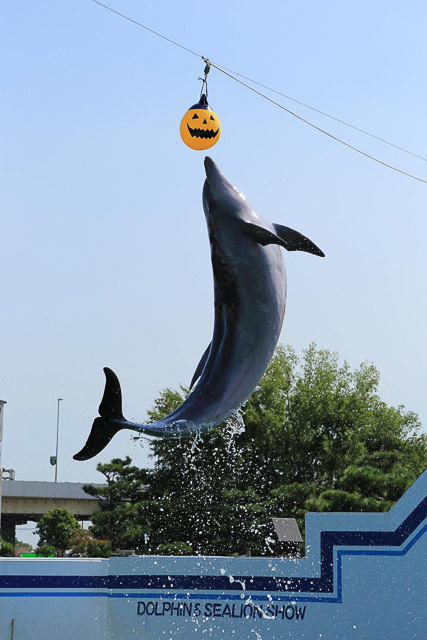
<point>205,79</point>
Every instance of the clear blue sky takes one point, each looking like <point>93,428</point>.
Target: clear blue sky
<point>104,250</point>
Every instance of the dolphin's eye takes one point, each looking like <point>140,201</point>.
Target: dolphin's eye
<point>195,117</point>
<point>212,118</point>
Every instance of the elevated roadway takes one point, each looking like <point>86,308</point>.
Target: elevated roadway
<point>27,500</point>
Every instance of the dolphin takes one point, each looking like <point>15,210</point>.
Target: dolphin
<point>250,300</point>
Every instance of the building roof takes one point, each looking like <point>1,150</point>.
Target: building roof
<point>36,489</point>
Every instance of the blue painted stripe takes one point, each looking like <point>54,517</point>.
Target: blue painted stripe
<point>324,584</point>
<point>54,594</point>
<point>163,596</point>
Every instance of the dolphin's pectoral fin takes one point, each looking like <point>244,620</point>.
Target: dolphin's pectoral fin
<point>287,238</point>
<point>200,366</point>
<point>105,427</point>
<point>295,241</point>
<point>261,235</point>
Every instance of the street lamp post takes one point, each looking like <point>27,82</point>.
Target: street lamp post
<point>2,403</point>
<point>57,440</point>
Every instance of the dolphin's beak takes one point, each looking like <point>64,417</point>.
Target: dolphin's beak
<point>213,181</point>
<point>211,169</point>
<point>218,188</point>
<point>216,179</point>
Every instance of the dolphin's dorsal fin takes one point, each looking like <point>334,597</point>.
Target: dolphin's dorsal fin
<point>200,366</point>
<point>285,237</point>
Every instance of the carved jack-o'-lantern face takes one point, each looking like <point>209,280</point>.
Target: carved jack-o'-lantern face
<point>200,127</point>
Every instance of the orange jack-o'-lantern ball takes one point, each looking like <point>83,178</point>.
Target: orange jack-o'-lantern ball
<point>200,127</point>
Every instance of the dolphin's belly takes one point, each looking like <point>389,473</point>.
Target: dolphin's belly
<point>249,344</point>
<point>245,337</point>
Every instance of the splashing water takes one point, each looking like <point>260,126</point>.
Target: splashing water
<point>269,541</point>
<point>206,467</point>
<point>234,427</point>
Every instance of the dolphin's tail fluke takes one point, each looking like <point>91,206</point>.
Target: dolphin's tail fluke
<point>105,427</point>
<point>111,403</point>
<point>101,433</point>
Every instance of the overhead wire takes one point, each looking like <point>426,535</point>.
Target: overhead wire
<point>232,74</point>
<point>139,24</point>
<point>330,135</point>
<point>323,113</point>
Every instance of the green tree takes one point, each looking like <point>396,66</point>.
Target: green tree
<point>56,529</point>
<point>121,503</point>
<point>373,483</point>
<point>98,549</point>
<point>7,549</point>
<point>46,551</point>
<point>316,436</point>
<point>80,541</point>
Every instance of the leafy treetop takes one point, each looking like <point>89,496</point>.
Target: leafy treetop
<point>316,437</point>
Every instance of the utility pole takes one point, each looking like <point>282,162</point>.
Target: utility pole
<point>2,403</point>
<point>57,440</point>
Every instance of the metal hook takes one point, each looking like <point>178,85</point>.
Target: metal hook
<point>205,79</point>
